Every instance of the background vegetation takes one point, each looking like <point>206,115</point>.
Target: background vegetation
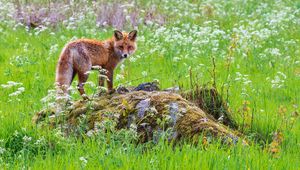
<point>249,49</point>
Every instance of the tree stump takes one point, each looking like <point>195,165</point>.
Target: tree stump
<point>148,112</point>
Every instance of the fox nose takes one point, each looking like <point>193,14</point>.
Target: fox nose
<point>125,55</point>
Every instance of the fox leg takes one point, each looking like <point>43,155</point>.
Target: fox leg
<point>73,75</point>
<point>64,79</point>
<point>66,86</point>
<point>101,82</point>
<point>82,77</point>
<point>110,75</point>
<point>101,79</point>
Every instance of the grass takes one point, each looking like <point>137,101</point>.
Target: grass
<point>263,87</point>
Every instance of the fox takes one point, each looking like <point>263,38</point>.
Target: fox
<point>79,56</point>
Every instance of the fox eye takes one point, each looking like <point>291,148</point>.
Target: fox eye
<point>121,47</point>
<point>130,48</point>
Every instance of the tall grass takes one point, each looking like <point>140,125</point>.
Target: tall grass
<point>260,40</point>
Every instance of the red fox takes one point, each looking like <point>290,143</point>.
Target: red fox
<point>80,55</point>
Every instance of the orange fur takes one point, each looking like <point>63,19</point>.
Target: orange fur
<point>79,56</point>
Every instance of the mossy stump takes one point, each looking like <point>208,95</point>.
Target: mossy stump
<point>148,112</point>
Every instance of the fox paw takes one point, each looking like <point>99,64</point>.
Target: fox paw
<point>85,97</point>
<point>101,93</point>
<point>111,91</point>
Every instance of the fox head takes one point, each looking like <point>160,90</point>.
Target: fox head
<point>124,43</point>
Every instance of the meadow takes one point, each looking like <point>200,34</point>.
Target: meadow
<point>248,49</point>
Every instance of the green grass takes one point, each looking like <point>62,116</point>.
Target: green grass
<point>270,109</point>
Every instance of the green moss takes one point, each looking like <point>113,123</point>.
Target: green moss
<point>149,112</point>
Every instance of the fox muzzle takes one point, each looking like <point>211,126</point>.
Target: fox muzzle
<point>125,55</point>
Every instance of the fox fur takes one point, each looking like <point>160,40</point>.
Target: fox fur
<point>78,57</point>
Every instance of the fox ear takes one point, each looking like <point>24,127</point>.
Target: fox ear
<point>118,35</point>
<point>132,35</point>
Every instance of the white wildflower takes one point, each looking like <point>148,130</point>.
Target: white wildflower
<point>119,77</point>
<point>18,92</point>
<point>96,67</point>
<point>83,160</point>
<point>53,49</point>
<point>11,84</point>
<point>144,73</point>
<point>2,150</point>
<point>40,141</point>
<point>27,139</point>
<point>278,81</point>
<point>90,133</point>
